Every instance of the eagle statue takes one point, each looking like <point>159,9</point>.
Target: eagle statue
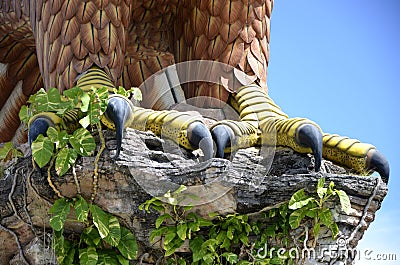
<point>109,43</point>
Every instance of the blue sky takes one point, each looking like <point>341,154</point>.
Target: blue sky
<point>338,63</point>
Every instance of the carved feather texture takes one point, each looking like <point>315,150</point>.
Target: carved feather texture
<point>131,40</point>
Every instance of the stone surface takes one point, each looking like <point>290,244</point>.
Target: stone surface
<point>248,184</point>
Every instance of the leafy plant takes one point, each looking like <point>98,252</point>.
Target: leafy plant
<point>314,208</point>
<point>103,240</point>
<point>8,152</point>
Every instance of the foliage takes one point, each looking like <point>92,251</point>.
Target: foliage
<point>103,239</point>
<point>8,153</point>
<point>70,137</point>
<point>226,239</point>
<point>303,205</point>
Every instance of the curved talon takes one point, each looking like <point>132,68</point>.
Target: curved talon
<point>308,135</point>
<point>117,115</point>
<point>200,137</point>
<point>377,162</point>
<point>39,125</point>
<point>222,136</point>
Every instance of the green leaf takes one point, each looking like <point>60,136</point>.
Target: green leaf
<point>295,218</point>
<point>91,236</point>
<point>100,220</point>
<point>335,230</point>
<point>64,160</point>
<point>229,233</point>
<point>344,201</point>
<point>73,94</point>
<point>181,230</point>
<point>169,236</point>
<point>69,256</point>
<point>325,216</point>
<point>88,256</point>
<point>114,236</point>
<point>158,232</point>
<point>97,105</point>
<point>107,258</point>
<point>161,219</point>
<point>204,222</point>
<point>48,101</point>
<point>81,208</point>
<point>136,93</point>
<point>6,150</point>
<point>60,210</point>
<point>122,260</point>
<point>299,200</point>
<point>321,192</point>
<point>127,245</point>
<point>196,247</point>
<point>230,257</point>
<point>24,114</point>
<point>85,121</point>
<point>85,99</point>
<point>83,142</point>
<point>42,150</point>
<point>316,229</point>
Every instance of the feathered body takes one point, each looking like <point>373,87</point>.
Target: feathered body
<point>48,43</point>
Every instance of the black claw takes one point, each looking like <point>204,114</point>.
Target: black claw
<point>378,162</point>
<point>119,112</point>
<point>309,136</point>
<point>37,127</point>
<point>200,137</point>
<point>222,136</point>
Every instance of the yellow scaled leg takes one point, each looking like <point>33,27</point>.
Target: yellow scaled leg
<point>261,120</point>
<point>183,128</point>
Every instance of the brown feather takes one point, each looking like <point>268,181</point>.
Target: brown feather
<point>255,65</point>
<point>32,82</point>
<point>100,4</point>
<point>108,38</point>
<point>81,66</point>
<point>124,13</point>
<point>217,46</point>
<point>247,14</point>
<point>248,34</point>
<point>55,6</point>
<point>99,19</point>
<point>79,50</point>
<point>202,4</point>
<point>85,12</point>
<point>189,34</point>
<point>54,51</point>
<point>215,7</point>
<point>259,11</point>
<point>111,12</point>
<point>68,76</point>
<point>255,48</point>
<point>64,58</point>
<point>56,23</point>
<point>9,113</point>
<point>18,69</point>
<point>100,59</point>
<point>13,51</point>
<point>231,11</point>
<point>198,21</point>
<point>70,30</point>
<point>70,8</point>
<point>45,14</point>
<point>229,32</point>
<point>200,46</point>
<point>89,37</point>
<point>213,27</point>
<point>268,29</point>
<point>233,53</point>
<point>259,27</point>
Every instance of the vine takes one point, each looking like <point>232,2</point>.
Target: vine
<point>102,241</point>
<point>226,239</point>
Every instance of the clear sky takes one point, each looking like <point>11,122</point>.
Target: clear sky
<point>338,63</point>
